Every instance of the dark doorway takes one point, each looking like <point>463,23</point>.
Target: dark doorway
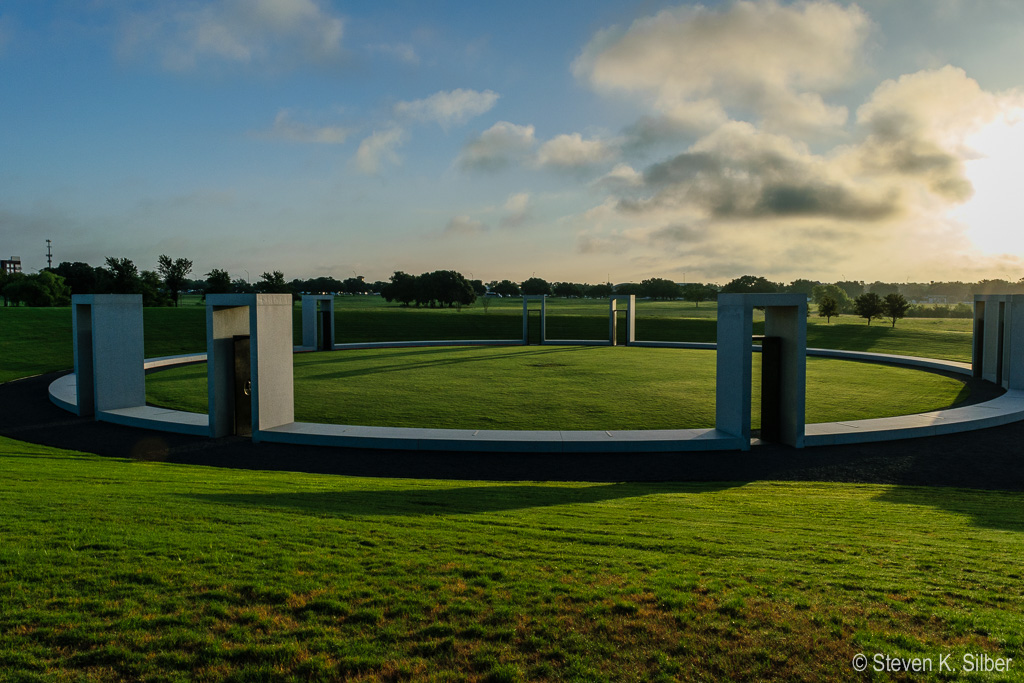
<point>979,337</point>
<point>533,335</point>
<point>242,386</point>
<point>771,388</point>
<point>325,338</point>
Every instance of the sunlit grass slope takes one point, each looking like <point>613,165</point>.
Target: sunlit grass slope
<point>117,570</point>
<point>567,387</point>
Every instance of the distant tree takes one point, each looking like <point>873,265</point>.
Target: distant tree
<point>805,287</point>
<point>174,273</point>
<point>401,288</point>
<point>833,292</point>
<point>123,276</point>
<point>567,289</point>
<point>80,277</point>
<point>883,288</point>
<point>505,288</point>
<point>868,306</point>
<point>894,307</point>
<point>153,290</point>
<point>749,284</point>
<point>242,286</point>
<point>628,288</point>
<point>479,288</point>
<point>827,308</point>
<point>599,291</point>
<point>378,286</point>
<point>536,286</point>
<point>354,285</point>
<point>12,288</point>
<point>696,292</point>
<point>660,288</point>
<point>218,282</point>
<point>853,288</point>
<point>273,283</point>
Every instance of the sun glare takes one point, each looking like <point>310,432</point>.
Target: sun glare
<point>994,216</point>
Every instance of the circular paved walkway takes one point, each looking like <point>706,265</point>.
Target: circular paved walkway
<point>990,458</point>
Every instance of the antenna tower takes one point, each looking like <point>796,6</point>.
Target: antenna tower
<point>49,255</point>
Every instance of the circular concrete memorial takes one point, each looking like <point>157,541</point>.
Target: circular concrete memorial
<point>250,379</point>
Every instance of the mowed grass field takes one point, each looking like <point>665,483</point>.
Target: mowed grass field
<point>124,570</point>
<point>127,570</point>
<point>557,387</point>
<point>35,340</point>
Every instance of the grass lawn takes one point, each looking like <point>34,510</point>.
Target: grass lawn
<point>35,340</point>
<point>568,387</point>
<point>127,570</point>
<point>116,569</point>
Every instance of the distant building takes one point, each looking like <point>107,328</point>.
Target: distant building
<point>11,265</point>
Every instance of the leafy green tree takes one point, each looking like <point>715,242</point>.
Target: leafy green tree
<point>479,288</point>
<point>218,282</point>
<point>153,291</point>
<point>505,288</point>
<point>827,308</point>
<point>853,288</point>
<point>568,289</point>
<point>629,288</point>
<point>123,276</point>
<point>805,287</point>
<point>894,307</point>
<point>749,284</point>
<point>354,285</point>
<point>401,288</point>
<point>599,291</point>
<point>868,306</point>
<point>660,288</point>
<point>174,273</point>
<point>5,279</point>
<point>696,292</point>
<point>536,286</point>
<point>819,292</point>
<point>884,288</point>
<point>80,277</point>
<point>273,283</point>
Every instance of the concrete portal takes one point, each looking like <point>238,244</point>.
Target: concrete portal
<point>613,318</point>
<point>318,322</point>
<point>266,320</point>
<point>526,317</point>
<point>999,339</point>
<point>785,317</point>
<point>109,353</point>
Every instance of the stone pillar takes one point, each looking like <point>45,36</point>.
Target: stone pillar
<point>998,342</point>
<point>312,307</point>
<point>785,319</point>
<point>267,320</point>
<point>613,320</point>
<point>109,352</point>
<point>526,317</point>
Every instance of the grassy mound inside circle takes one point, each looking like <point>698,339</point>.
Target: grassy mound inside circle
<point>558,387</point>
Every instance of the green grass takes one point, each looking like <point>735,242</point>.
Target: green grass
<point>36,340</point>
<point>129,570</point>
<point>569,387</point>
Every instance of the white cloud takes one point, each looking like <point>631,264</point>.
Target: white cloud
<point>378,149</point>
<point>918,125</point>
<point>517,208</point>
<point>695,64</point>
<point>621,178</point>
<point>285,128</point>
<point>572,151</point>
<point>446,108</point>
<point>268,34</point>
<point>497,147</point>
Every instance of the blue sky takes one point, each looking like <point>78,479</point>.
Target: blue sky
<point>572,140</point>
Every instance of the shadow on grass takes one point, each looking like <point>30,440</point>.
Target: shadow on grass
<point>449,501</point>
<point>985,509</point>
